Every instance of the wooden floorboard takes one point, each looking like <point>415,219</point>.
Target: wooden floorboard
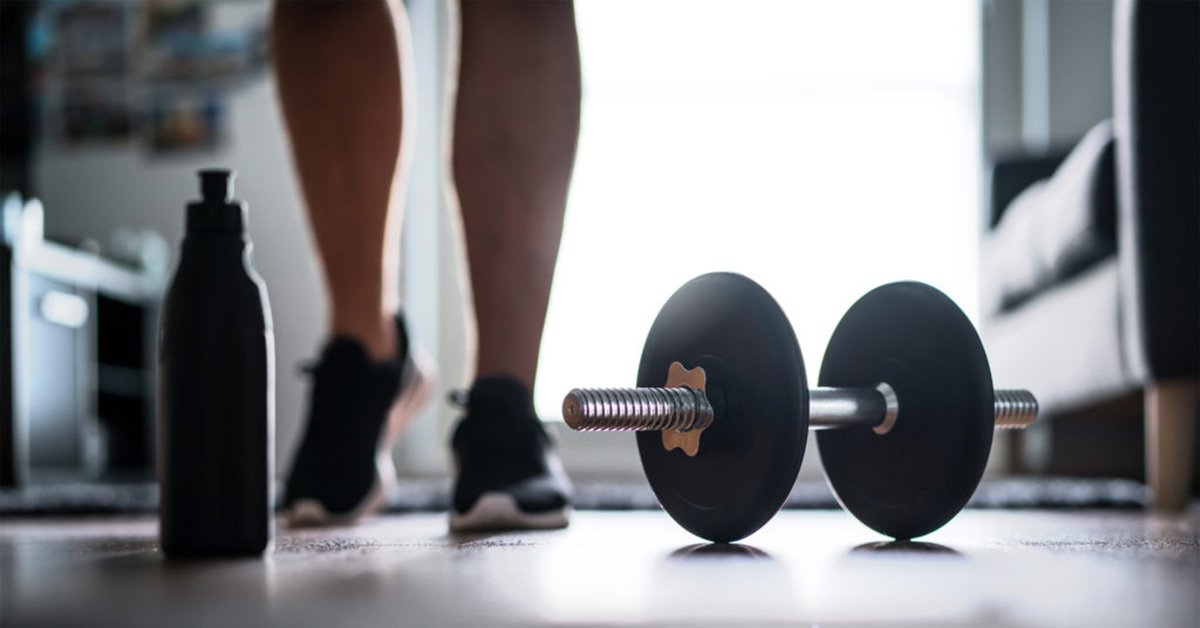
<point>633,568</point>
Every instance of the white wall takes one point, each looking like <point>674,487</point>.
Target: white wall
<point>1080,67</point>
<point>435,284</point>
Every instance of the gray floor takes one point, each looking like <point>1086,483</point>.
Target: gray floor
<point>805,568</point>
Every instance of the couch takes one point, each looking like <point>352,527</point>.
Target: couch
<point>1090,263</point>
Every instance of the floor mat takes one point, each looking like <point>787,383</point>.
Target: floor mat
<point>434,495</point>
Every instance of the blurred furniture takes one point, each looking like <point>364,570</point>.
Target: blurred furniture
<point>17,116</point>
<point>1091,262</point>
<point>76,361</point>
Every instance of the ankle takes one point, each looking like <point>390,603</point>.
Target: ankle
<point>489,371</point>
<point>379,337</point>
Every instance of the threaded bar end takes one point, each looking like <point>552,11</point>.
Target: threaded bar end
<point>636,409</point>
<point>1015,409</point>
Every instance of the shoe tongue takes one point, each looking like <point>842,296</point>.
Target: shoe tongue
<point>343,350</point>
<point>346,360</point>
<point>500,396</point>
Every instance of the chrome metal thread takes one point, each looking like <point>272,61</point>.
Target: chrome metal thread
<point>636,409</point>
<point>1015,409</point>
<point>683,409</point>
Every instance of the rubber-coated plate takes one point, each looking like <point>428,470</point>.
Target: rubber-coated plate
<point>912,480</point>
<point>750,456</point>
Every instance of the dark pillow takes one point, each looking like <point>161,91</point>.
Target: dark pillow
<point>1056,228</point>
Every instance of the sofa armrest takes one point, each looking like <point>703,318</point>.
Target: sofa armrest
<point>1156,116</point>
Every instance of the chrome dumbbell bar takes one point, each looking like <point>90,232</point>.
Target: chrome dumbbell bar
<point>684,409</point>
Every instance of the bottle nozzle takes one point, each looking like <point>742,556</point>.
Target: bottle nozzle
<point>216,185</point>
<point>216,211</point>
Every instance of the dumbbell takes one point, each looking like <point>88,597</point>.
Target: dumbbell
<point>905,408</point>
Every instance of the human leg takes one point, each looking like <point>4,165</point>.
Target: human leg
<point>515,131</point>
<point>343,81</point>
<point>342,90</point>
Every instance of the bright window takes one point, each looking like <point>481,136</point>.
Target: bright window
<point>821,148</point>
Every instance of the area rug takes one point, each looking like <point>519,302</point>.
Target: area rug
<point>434,495</point>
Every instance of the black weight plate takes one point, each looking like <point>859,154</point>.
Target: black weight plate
<point>750,456</point>
<point>912,480</point>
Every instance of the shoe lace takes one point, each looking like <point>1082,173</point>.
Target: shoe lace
<point>459,398</point>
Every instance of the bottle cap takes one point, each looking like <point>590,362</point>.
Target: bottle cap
<point>216,185</point>
<point>217,212</point>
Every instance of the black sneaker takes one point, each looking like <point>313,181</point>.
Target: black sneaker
<point>508,474</point>
<point>343,468</point>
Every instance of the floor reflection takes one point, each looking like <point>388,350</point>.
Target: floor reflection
<point>906,547</point>
<point>721,550</point>
<point>722,584</point>
<point>95,581</point>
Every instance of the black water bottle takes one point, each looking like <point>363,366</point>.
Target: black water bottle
<point>216,388</point>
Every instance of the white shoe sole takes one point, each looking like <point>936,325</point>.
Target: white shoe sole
<point>309,513</point>
<point>499,511</point>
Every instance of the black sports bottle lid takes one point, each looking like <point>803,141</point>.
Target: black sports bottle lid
<point>216,212</point>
